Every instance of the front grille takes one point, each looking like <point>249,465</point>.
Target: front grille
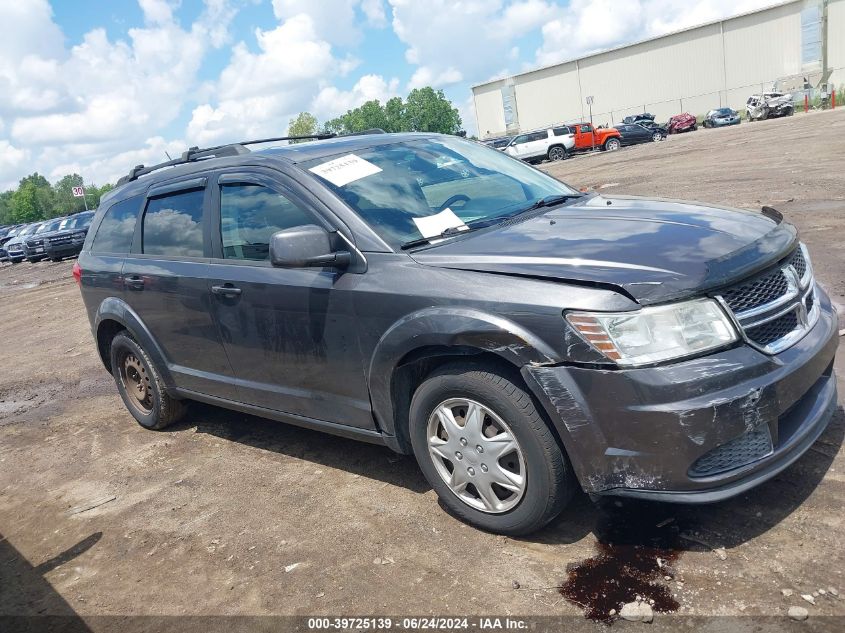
<point>772,331</point>
<point>798,262</point>
<point>753,294</point>
<point>60,240</point>
<point>777,308</point>
<point>747,448</point>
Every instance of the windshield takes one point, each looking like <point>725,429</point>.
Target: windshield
<point>49,226</point>
<point>29,230</point>
<point>724,111</point>
<point>398,188</point>
<point>79,221</point>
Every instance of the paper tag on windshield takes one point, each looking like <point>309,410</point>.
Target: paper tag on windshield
<point>341,171</point>
<point>432,225</point>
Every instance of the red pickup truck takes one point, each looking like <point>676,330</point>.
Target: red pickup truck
<point>587,137</point>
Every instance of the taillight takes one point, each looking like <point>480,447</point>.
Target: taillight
<point>77,273</point>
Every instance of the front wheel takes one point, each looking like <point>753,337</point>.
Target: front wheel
<point>486,450</point>
<point>657,136</point>
<point>612,144</point>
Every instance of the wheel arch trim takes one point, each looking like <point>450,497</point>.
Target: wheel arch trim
<point>446,328</point>
<point>116,310</point>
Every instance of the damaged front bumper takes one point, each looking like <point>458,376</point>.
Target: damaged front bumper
<point>695,431</point>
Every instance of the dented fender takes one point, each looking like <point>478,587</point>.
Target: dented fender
<point>447,327</point>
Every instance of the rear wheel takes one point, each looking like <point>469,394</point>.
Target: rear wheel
<point>140,385</point>
<point>612,144</point>
<point>486,450</point>
<point>557,153</point>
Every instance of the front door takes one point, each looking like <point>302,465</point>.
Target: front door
<point>165,279</point>
<point>290,334</point>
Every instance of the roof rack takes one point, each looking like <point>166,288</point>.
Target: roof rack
<point>194,154</point>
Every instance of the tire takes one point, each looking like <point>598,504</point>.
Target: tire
<point>557,152</point>
<point>55,259</point>
<point>131,366</point>
<point>612,144</point>
<point>657,136</point>
<point>694,128</point>
<point>547,484</point>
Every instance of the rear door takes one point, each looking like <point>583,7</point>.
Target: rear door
<point>165,278</point>
<point>290,334</point>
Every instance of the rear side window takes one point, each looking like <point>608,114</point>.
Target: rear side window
<point>250,214</point>
<point>173,225</point>
<point>115,232</point>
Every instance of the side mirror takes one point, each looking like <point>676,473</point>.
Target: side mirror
<point>304,246</point>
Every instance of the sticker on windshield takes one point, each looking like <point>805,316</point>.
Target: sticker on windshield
<point>341,171</point>
<point>432,225</point>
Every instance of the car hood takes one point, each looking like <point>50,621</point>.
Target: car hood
<point>653,249</point>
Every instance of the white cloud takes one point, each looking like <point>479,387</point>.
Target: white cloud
<point>332,20</point>
<point>331,102</point>
<point>573,33</point>
<point>12,163</point>
<point>259,92</point>
<point>374,10</point>
<point>100,94</point>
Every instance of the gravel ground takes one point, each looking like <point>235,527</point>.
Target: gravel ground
<point>227,514</point>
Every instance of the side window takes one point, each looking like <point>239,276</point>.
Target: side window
<point>561,131</point>
<point>586,128</point>
<point>173,225</point>
<point>538,136</point>
<point>250,214</point>
<point>117,228</point>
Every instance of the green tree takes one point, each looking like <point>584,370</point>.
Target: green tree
<point>427,110</point>
<point>6,207</point>
<point>304,124</point>
<point>66,203</point>
<point>25,203</point>
<point>394,111</point>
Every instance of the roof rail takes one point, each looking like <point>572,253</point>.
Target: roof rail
<point>194,154</point>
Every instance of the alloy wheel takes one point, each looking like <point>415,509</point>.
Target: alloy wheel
<point>556,153</point>
<point>477,455</point>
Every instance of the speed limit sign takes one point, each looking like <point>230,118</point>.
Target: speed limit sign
<point>78,192</point>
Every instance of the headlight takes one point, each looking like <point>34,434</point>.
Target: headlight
<point>655,334</point>
<point>79,237</point>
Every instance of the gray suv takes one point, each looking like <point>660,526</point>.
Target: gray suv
<point>522,339</point>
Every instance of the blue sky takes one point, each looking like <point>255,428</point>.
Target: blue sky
<point>96,86</point>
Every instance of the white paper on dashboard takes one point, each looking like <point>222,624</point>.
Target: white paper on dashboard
<point>432,225</point>
<point>341,171</point>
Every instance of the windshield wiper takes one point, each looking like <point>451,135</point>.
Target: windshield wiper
<point>449,232</point>
<point>539,203</point>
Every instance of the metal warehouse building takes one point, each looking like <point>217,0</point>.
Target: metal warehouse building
<point>694,70</point>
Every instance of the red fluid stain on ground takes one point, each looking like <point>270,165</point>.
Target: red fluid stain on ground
<point>625,566</point>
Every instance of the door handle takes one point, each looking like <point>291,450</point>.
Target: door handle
<point>134,282</point>
<point>226,290</point>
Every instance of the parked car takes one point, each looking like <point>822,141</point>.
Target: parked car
<point>520,338</point>
<point>8,234</point>
<point>14,247</point>
<point>587,137</point>
<point>769,105</point>
<point>33,245</point>
<point>552,143</point>
<point>68,239</point>
<point>638,118</point>
<point>682,123</point>
<point>634,134</point>
<point>498,143</point>
<point>721,117</point>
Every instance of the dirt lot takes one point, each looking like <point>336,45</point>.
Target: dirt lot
<point>232,515</point>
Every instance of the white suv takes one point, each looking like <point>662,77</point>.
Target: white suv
<point>552,143</point>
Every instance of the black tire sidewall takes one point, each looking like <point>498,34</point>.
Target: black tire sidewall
<point>120,346</point>
<point>531,512</point>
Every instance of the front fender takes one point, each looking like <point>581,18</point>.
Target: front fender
<point>117,310</point>
<point>451,328</point>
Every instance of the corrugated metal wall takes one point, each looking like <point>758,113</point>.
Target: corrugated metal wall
<point>691,71</point>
